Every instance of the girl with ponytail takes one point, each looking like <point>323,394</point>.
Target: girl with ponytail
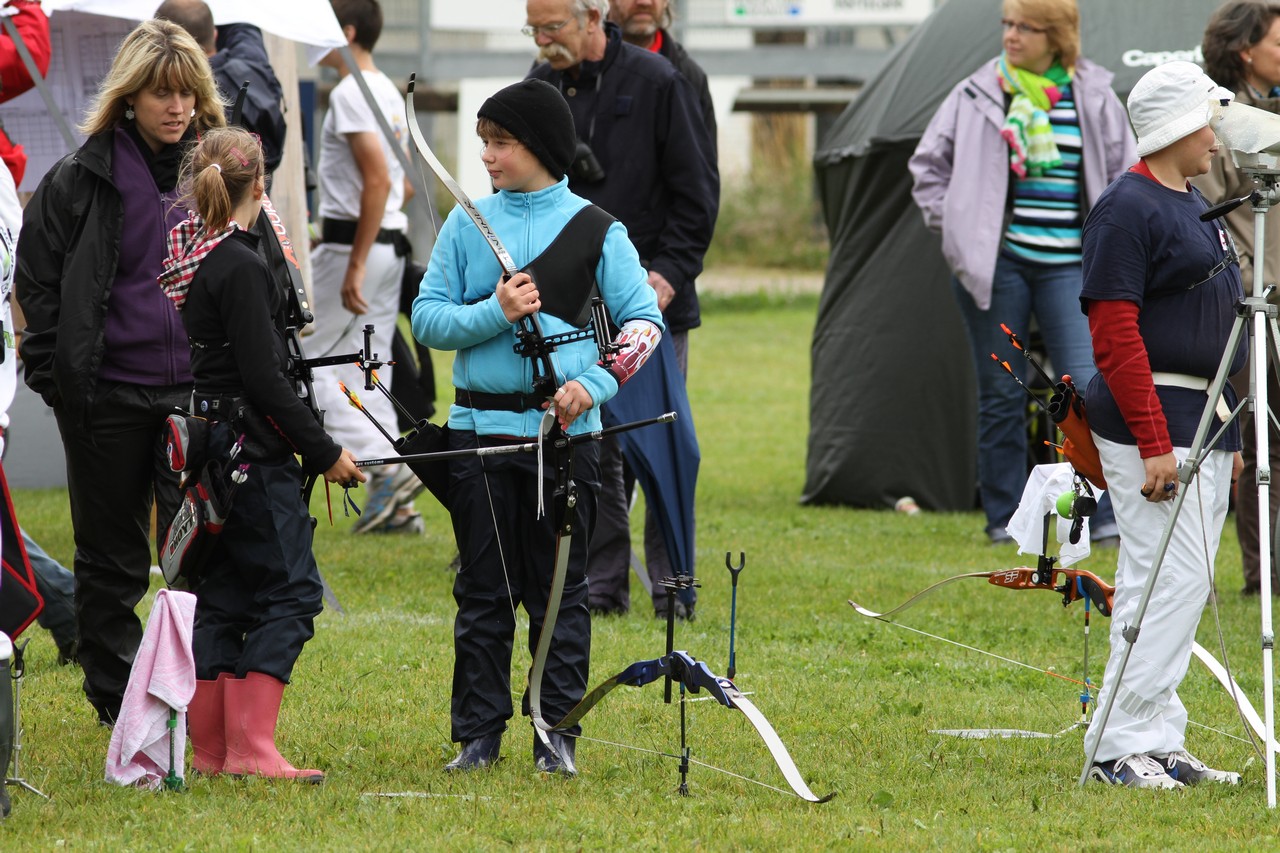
<point>260,591</point>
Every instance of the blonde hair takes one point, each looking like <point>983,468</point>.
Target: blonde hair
<point>218,172</point>
<point>1061,20</point>
<point>157,54</point>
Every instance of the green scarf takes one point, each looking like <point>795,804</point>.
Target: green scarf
<point>1026,125</point>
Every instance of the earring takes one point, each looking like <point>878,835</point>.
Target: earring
<point>193,112</point>
<point>128,113</point>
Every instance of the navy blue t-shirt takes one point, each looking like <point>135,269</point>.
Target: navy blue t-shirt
<point>1144,243</point>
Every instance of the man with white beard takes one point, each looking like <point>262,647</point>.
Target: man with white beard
<point>646,156</point>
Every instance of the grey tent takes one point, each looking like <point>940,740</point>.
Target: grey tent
<point>892,404</point>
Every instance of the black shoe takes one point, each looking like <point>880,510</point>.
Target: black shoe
<point>556,756</point>
<point>476,754</point>
<point>67,654</point>
<point>683,613</point>
<point>608,610</point>
<point>107,714</point>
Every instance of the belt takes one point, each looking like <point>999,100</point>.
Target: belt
<point>208,405</point>
<point>1191,383</point>
<point>343,231</point>
<point>517,403</point>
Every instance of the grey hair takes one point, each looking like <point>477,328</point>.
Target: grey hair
<point>580,8</point>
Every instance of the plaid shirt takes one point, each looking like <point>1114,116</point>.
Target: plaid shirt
<point>189,243</point>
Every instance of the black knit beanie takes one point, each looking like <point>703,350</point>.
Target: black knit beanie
<point>536,114</point>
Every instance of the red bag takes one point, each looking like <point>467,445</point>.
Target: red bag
<point>20,603</point>
<point>13,156</point>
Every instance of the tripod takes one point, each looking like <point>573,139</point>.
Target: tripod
<point>1256,317</point>
<point>17,670</point>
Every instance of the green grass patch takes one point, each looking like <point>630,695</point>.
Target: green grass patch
<point>855,701</point>
<point>770,218</point>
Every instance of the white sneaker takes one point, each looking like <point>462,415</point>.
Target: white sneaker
<point>1135,770</point>
<point>387,493</point>
<point>403,520</point>
<point>1189,770</point>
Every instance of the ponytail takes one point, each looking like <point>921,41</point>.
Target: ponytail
<point>218,172</point>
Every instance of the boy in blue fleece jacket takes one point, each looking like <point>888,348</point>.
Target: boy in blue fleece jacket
<point>507,550</point>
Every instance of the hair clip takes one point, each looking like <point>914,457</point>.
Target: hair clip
<point>244,161</point>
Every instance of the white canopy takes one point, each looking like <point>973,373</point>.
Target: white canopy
<point>309,22</point>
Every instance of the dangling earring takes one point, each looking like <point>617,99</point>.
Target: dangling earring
<point>193,112</point>
<point>128,112</point>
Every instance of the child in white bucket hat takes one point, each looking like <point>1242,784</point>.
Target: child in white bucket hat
<point>1170,102</point>
<point>1160,288</point>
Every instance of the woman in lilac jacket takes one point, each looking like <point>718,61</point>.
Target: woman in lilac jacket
<point>1006,172</point>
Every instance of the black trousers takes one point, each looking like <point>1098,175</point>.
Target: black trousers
<point>115,469</point>
<point>259,594</point>
<point>508,558</point>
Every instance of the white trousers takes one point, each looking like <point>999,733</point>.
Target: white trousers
<point>1148,716</point>
<point>337,331</point>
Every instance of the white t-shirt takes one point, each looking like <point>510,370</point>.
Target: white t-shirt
<point>340,182</point>
<point>10,223</point>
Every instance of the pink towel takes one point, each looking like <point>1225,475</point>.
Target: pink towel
<point>163,677</point>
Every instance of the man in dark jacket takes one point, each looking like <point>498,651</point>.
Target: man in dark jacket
<point>237,54</point>
<point>645,156</point>
<point>647,24</point>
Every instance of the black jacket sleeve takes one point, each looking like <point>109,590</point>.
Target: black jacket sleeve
<point>243,289</point>
<point>44,242</point>
<point>692,178</point>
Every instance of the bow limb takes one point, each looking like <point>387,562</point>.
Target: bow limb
<point>777,749</point>
<point>696,676</point>
<point>637,675</point>
<point>1247,712</point>
<point>564,540</point>
<point>910,602</point>
<point>969,648</point>
<point>547,378</point>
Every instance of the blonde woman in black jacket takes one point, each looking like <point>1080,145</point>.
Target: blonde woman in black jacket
<point>102,345</point>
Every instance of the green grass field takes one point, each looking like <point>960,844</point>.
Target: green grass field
<point>854,700</point>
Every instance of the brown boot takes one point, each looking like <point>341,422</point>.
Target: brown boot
<point>206,726</point>
<point>252,707</point>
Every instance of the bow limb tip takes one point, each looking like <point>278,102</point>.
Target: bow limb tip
<point>862,611</point>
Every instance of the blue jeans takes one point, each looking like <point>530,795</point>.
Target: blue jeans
<point>1018,290</point>
<point>57,587</point>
